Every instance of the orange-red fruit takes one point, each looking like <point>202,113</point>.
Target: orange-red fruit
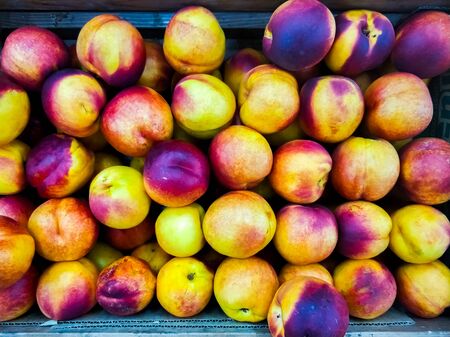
<point>126,286</point>
<point>30,54</point>
<point>113,49</point>
<point>305,234</point>
<point>425,171</point>
<point>364,168</point>
<point>240,157</point>
<point>300,171</point>
<point>66,290</point>
<point>331,108</point>
<point>367,286</point>
<point>136,118</point>
<point>398,106</point>
<point>130,238</point>
<point>64,229</point>
<point>18,298</point>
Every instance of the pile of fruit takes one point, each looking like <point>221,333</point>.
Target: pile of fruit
<point>275,181</point>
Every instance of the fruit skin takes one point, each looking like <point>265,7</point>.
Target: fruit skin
<point>17,251</point>
<point>72,100</point>
<point>307,306</point>
<point>291,271</point>
<point>179,230</point>
<point>126,286</point>
<point>66,290</point>
<point>364,229</point>
<point>138,163</point>
<point>64,229</point>
<point>244,288</point>
<point>239,224</point>
<point>58,166</point>
<point>184,286</point>
<point>424,289</point>
<point>300,171</point>
<point>398,106</point>
<point>112,49</point>
<point>136,118</point>
<point>30,54</point>
<point>12,170</point>
<point>15,108</point>
<point>153,254</point>
<point>420,233</point>
<point>194,42</point>
<point>268,99</point>
<point>430,30</point>
<point>102,255</point>
<point>367,286</point>
<point>424,171</point>
<point>364,168</point>
<point>104,160</point>
<point>16,207</point>
<point>240,157</point>
<point>18,298</point>
<point>293,40</point>
<point>202,105</point>
<point>117,197</point>
<point>332,108</point>
<point>95,142</point>
<point>130,238</point>
<point>364,40</point>
<point>305,234</point>
<point>292,132</point>
<point>157,73</point>
<point>237,65</point>
<point>176,173</point>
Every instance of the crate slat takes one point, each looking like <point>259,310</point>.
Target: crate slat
<point>217,5</point>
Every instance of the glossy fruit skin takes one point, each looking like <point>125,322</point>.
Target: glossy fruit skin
<point>364,168</point>
<point>424,289</point>
<point>332,108</point>
<point>239,224</point>
<point>59,165</point>
<point>364,40</point>
<point>18,298</point>
<point>194,42</point>
<point>126,286</point>
<point>176,173</point>
<point>424,174</point>
<point>422,45</point>
<point>15,108</point>
<point>398,106</point>
<point>305,234</point>
<point>113,49</point>
<point>355,279</point>
<point>135,119</point>
<point>300,171</point>
<point>66,290</point>
<point>240,157</point>
<point>410,225</point>
<point>307,306</point>
<point>30,54</point>
<point>244,288</point>
<point>293,40</point>
<point>184,286</point>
